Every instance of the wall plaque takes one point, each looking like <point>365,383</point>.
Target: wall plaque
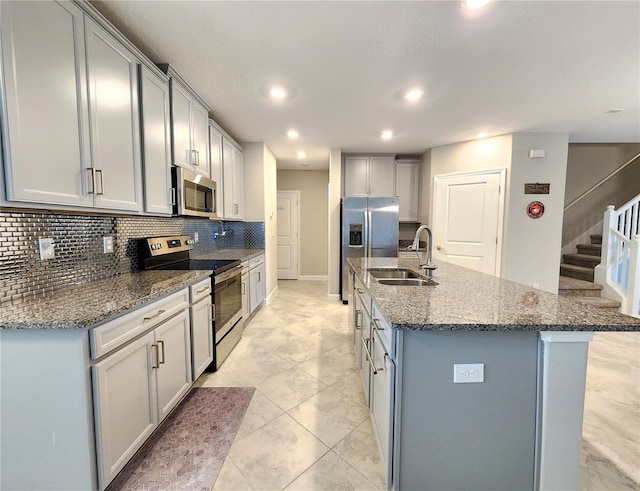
<point>536,187</point>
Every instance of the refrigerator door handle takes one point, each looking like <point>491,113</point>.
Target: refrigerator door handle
<point>367,220</point>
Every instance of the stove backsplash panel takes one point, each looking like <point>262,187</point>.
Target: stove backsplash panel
<point>78,246</point>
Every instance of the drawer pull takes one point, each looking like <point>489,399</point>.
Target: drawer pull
<point>358,320</point>
<point>360,291</point>
<point>376,326</point>
<point>158,314</point>
<point>202,290</point>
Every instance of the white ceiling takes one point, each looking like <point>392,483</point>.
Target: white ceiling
<point>512,67</point>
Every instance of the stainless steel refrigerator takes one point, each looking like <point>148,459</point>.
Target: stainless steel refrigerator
<point>369,228</point>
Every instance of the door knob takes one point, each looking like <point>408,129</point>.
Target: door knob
<point>439,248</point>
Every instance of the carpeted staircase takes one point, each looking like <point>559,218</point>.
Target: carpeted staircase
<point>576,275</point>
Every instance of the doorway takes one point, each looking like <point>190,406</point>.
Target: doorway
<point>468,216</point>
<point>288,226</point>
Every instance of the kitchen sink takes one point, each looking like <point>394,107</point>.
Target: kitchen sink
<point>393,273</point>
<point>407,282</point>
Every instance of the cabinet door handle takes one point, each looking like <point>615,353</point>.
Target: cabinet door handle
<point>198,158</point>
<point>376,325</point>
<point>235,209</point>
<point>366,349</point>
<point>155,363</point>
<point>101,181</point>
<point>172,196</point>
<point>157,314</point>
<point>244,289</point>
<point>161,362</point>
<point>212,315</point>
<point>91,179</point>
<point>194,161</point>
<point>358,320</point>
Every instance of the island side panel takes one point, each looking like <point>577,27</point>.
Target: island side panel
<point>46,413</point>
<point>467,436</point>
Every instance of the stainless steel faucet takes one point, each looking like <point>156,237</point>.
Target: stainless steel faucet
<point>428,266</point>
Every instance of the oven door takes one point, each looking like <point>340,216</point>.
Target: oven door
<point>228,300</point>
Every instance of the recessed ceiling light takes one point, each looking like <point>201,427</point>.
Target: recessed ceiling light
<point>278,93</point>
<point>475,4</point>
<point>386,134</point>
<point>293,134</point>
<point>482,134</point>
<point>301,155</point>
<point>414,94</point>
<point>614,111</point>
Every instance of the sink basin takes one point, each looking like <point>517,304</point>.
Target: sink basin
<point>407,282</point>
<point>393,273</point>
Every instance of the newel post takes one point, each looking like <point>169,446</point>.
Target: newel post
<point>610,221</point>
<point>633,290</point>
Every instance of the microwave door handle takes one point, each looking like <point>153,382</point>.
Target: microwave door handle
<point>172,196</point>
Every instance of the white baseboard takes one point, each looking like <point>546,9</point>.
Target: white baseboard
<point>311,277</point>
<point>334,296</point>
<point>269,297</point>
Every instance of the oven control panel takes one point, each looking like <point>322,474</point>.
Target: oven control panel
<point>166,245</point>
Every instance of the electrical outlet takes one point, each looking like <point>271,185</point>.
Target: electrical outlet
<point>536,286</point>
<point>107,244</point>
<point>46,247</point>
<point>195,237</point>
<point>468,373</point>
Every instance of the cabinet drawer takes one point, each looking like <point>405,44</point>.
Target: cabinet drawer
<point>109,336</point>
<point>256,261</point>
<point>365,299</point>
<point>200,290</point>
<point>384,331</point>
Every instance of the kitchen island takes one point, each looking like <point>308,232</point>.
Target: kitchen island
<point>511,417</point>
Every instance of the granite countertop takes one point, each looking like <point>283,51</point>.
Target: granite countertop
<point>81,306</point>
<point>465,300</point>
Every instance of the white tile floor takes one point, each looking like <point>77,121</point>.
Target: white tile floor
<point>307,427</point>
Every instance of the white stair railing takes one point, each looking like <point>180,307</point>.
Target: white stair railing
<point>619,269</point>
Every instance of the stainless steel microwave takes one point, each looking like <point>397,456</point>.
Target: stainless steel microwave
<point>195,194</point>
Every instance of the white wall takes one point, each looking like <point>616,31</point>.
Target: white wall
<point>335,178</point>
<point>313,187</point>
<point>530,247</point>
<point>260,203</point>
<point>532,254</point>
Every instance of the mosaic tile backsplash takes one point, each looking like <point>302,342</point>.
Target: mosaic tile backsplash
<point>78,246</point>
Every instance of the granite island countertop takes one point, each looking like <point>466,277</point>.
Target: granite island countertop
<point>465,300</point>
<point>84,305</point>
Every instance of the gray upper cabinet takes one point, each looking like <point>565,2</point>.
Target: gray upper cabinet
<point>114,121</point>
<point>369,175</point>
<point>156,143</point>
<point>215,156</point>
<point>233,179</point>
<point>71,122</point>
<point>189,125</point>
<point>45,122</point>
<point>408,189</point>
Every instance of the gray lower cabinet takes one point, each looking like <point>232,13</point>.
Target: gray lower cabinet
<point>125,405</point>
<point>156,142</point>
<point>256,282</point>
<point>201,327</point>
<point>136,386</point>
<point>60,67</point>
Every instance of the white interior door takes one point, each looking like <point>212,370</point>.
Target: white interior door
<point>468,211</point>
<point>288,202</point>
